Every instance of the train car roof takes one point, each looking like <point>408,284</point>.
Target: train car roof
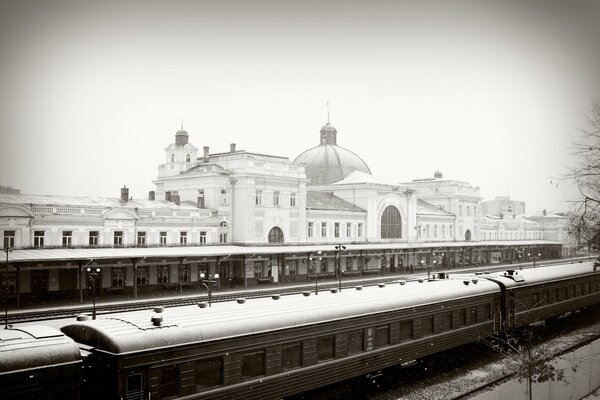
<point>549,273</point>
<point>35,346</point>
<point>134,331</point>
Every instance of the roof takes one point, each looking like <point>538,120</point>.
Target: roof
<point>327,201</point>
<point>546,274</point>
<point>134,331</point>
<point>89,201</point>
<point>327,163</point>
<point>35,346</point>
<point>356,177</point>
<point>425,208</point>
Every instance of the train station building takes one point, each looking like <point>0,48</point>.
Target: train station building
<point>254,218</point>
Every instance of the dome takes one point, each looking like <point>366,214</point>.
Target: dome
<point>328,162</point>
<point>181,137</point>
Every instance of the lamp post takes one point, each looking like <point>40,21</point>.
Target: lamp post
<point>535,257</point>
<point>338,249</point>
<point>423,266</point>
<point>93,273</point>
<point>6,250</point>
<point>312,263</point>
<point>209,283</point>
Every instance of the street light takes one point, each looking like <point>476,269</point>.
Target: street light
<point>312,263</point>
<point>535,257</point>
<point>93,273</point>
<point>209,283</point>
<point>6,250</point>
<point>338,249</point>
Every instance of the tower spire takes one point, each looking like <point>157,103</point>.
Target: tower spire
<point>327,111</point>
<point>182,122</point>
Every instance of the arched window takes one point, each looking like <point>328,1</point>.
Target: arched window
<point>187,158</point>
<point>275,235</point>
<point>223,224</point>
<point>172,157</point>
<point>468,235</point>
<point>391,223</point>
<point>224,197</point>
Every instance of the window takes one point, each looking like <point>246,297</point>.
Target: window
<point>185,273</point>
<point>349,263</point>
<point>134,385</point>
<point>202,237</point>
<point>325,348</point>
<point>9,239</point>
<point>169,382</point>
<point>223,238</point>
<point>253,364</point>
<point>323,229</point>
<point>118,238</point>
<point>224,197</point>
<point>291,356</point>
<point>163,239</point>
<point>446,321</point>
<point>435,231</point>
<point>348,229</point>
<point>336,230</point>
<point>360,230</point>
<point>309,232</point>
<point>187,158</point>
<point>258,197</point>
<point>427,326</point>
<point>275,235</point>
<point>117,277</point>
<point>406,330</point>
<point>292,267</point>
<point>172,157</point>
<point>391,223</point>
<point>183,237</point>
<point>475,210</point>
<point>276,195</point>
<point>419,231</point>
<point>292,199</point>
<point>355,342</point>
<point>209,373</point>
<point>443,231</point>
<point>324,265</point>
<point>141,276</point>
<point>200,198</point>
<point>93,238</point>
<point>67,238</point>
<point>141,238</point>
<point>258,269</point>
<point>382,336</point>
<point>468,211</point>
<point>451,231</point>
<point>474,314</point>
<point>162,274</point>
<point>38,238</point>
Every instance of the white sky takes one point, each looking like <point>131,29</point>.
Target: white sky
<point>488,91</point>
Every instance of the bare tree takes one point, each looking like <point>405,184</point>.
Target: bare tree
<point>585,219</point>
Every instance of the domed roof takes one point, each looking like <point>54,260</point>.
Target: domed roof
<point>328,162</point>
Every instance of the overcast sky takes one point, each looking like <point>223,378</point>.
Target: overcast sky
<point>489,92</point>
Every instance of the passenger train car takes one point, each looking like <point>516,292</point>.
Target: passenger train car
<point>38,362</point>
<point>271,348</point>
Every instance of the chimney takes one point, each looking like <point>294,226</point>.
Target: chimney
<point>205,154</point>
<point>124,194</point>
<point>544,212</point>
<point>175,199</point>
<point>168,196</point>
<point>232,148</point>
<point>151,195</point>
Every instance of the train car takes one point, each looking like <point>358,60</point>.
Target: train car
<point>38,362</point>
<point>538,294</point>
<point>271,348</point>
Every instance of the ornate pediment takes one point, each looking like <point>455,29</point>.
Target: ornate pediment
<point>120,213</point>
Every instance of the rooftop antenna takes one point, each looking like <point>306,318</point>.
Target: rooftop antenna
<point>182,122</point>
<point>327,111</point>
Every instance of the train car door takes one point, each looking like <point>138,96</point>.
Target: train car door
<point>134,386</point>
<point>39,284</point>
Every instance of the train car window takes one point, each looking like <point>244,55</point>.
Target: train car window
<point>571,292</point>
<point>356,342</point>
<point>586,288</point>
<point>134,385</point>
<point>169,382</point>
<point>427,326</point>
<point>462,317</point>
<point>536,299</point>
<point>548,299</point>
<point>488,311</point>
<point>325,348</point>
<point>579,290</point>
<point>291,356</point>
<point>209,373</point>
<point>382,336</point>
<point>474,314</point>
<point>253,364</point>
<point>446,321</point>
<point>406,330</point>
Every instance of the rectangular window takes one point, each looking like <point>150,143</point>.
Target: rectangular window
<point>419,232</point>
<point>253,364</point>
<point>291,356</point>
<point>446,321</point>
<point>451,231</point>
<point>258,197</point>
<point>323,265</point>
<point>292,267</point>
<point>67,238</point>
<point>224,197</point>
<point>360,230</point>
<point>93,238</point>
<point>292,199</point>
<point>348,229</point>
<point>324,229</point>
<point>141,276</point>
<point>201,203</point>
<point>9,239</point>
<point>163,238</point>
<point>355,342</point>
<point>185,273</point>
<point>427,326</point>
<point>435,231</point>
<point>349,263</point>
<point>276,195</point>
<point>134,385</point>
<point>141,238</point>
<point>38,238</point>
<point>406,330</point>
<point>223,238</point>
<point>202,237</point>
<point>162,274</point>
<point>468,211</point>
<point>382,336</point>
<point>118,238</point>
<point>325,348</point>
<point>209,373</point>
<point>336,230</point>
<point>182,237</point>
<point>258,269</point>
<point>309,232</point>
<point>475,210</point>
<point>117,277</point>
<point>474,314</point>
<point>443,231</point>
<point>169,382</point>
<point>460,211</point>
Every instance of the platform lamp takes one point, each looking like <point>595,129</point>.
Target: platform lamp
<point>312,262</point>
<point>93,274</point>
<point>209,283</point>
<point>6,250</point>
<point>339,248</point>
